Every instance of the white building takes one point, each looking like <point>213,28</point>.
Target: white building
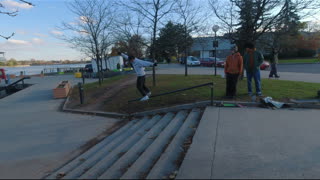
<point>2,58</point>
<point>110,63</point>
<point>203,47</point>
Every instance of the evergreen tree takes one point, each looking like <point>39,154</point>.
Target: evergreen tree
<point>171,41</point>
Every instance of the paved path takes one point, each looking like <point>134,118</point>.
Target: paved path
<point>35,137</point>
<point>179,69</point>
<point>254,143</point>
<point>303,68</point>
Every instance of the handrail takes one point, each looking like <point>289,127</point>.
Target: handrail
<point>16,82</point>
<point>184,89</point>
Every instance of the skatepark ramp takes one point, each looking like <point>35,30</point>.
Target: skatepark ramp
<point>148,148</point>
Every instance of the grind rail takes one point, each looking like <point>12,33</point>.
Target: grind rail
<point>179,90</point>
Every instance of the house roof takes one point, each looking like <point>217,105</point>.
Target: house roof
<point>206,44</point>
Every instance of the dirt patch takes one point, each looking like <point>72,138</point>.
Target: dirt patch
<point>95,99</point>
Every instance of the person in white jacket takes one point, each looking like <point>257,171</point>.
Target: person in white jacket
<point>139,67</point>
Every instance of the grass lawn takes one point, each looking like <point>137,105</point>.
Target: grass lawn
<point>311,60</point>
<point>277,89</point>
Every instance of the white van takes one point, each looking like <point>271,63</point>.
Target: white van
<point>112,63</point>
<point>193,61</point>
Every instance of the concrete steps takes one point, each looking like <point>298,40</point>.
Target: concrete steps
<point>144,148</point>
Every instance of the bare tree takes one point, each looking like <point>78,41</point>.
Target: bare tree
<point>153,11</point>
<point>92,33</point>
<point>12,14</point>
<point>247,20</point>
<point>282,32</point>
<point>189,15</point>
<point>128,30</point>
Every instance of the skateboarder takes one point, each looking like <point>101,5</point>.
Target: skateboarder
<point>139,66</point>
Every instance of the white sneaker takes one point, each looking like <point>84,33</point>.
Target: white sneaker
<point>149,94</point>
<point>144,98</point>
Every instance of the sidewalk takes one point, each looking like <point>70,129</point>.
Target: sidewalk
<point>35,136</point>
<point>254,143</point>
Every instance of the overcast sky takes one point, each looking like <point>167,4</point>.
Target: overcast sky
<point>35,30</point>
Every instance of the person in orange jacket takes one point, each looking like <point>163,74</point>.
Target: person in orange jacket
<point>233,69</point>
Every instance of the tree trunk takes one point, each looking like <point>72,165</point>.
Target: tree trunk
<point>186,52</point>
<point>154,54</point>
<point>98,68</point>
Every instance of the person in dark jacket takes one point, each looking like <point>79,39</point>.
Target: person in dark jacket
<point>233,69</point>
<point>273,61</point>
<point>252,61</point>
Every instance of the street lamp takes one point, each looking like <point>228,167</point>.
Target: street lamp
<point>215,28</point>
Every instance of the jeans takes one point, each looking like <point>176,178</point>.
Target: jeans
<point>256,76</point>
<point>141,85</point>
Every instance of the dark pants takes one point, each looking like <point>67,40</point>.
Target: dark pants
<point>273,71</point>
<point>232,80</point>
<point>141,85</point>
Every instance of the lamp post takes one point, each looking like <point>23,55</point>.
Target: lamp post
<point>215,28</point>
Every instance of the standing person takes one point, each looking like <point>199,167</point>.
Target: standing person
<point>273,61</point>
<point>139,66</point>
<point>252,61</point>
<point>233,69</point>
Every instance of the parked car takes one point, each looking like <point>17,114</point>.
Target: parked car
<point>88,68</point>
<point>191,61</point>
<point>210,62</point>
<point>265,65</point>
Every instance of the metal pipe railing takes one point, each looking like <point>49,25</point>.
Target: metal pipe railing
<point>179,90</point>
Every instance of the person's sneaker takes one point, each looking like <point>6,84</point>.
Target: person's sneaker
<point>259,94</point>
<point>144,98</point>
<point>277,76</point>
<point>149,94</point>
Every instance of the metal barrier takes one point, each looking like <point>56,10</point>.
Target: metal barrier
<point>179,90</point>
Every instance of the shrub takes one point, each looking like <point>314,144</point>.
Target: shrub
<point>306,53</point>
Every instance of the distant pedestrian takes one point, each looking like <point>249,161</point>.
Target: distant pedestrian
<point>252,61</point>
<point>233,69</point>
<point>273,61</point>
<point>139,66</point>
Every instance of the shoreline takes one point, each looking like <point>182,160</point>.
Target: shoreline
<point>15,66</point>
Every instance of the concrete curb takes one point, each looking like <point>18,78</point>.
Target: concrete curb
<point>191,106</point>
<point>296,63</point>
<point>95,113</point>
<point>175,108</point>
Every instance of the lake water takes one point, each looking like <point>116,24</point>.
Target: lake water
<point>31,70</point>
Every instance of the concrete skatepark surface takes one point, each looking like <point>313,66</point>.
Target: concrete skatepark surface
<point>229,142</point>
<point>254,143</point>
<point>35,137</point>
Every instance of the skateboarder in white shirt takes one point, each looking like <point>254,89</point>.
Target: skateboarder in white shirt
<point>139,66</point>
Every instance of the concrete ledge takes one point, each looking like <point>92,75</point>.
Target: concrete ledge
<point>95,113</point>
<point>191,106</point>
<point>177,108</point>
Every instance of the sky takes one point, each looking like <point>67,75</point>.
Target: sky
<point>35,29</point>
